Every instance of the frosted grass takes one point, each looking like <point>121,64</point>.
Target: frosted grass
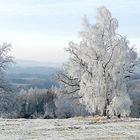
<point>65,129</point>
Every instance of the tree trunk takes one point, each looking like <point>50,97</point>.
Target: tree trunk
<point>107,101</point>
<point>106,111</point>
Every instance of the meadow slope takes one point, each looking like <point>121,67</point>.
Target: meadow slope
<point>65,129</point>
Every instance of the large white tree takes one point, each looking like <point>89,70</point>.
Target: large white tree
<point>99,67</point>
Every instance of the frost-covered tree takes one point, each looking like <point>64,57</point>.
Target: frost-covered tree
<point>68,105</point>
<point>35,103</point>
<point>8,105</point>
<point>5,60</point>
<point>99,67</point>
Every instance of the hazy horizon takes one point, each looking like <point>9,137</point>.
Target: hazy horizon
<point>40,30</point>
<point>35,63</point>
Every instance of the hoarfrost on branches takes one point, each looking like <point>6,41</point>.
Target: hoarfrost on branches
<point>99,67</point>
<point>8,106</point>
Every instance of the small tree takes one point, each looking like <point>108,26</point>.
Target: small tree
<point>8,104</point>
<point>99,67</point>
<point>5,60</point>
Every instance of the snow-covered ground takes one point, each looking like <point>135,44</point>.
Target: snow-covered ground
<point>65,129</point>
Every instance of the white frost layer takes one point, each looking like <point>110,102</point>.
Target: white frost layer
<point>75,128</point>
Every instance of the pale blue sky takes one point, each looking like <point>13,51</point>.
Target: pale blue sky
<point>40,29</point>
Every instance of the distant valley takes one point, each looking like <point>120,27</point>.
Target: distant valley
<point>26,74</point>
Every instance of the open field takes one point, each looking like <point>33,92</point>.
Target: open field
<point>65,129</point>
